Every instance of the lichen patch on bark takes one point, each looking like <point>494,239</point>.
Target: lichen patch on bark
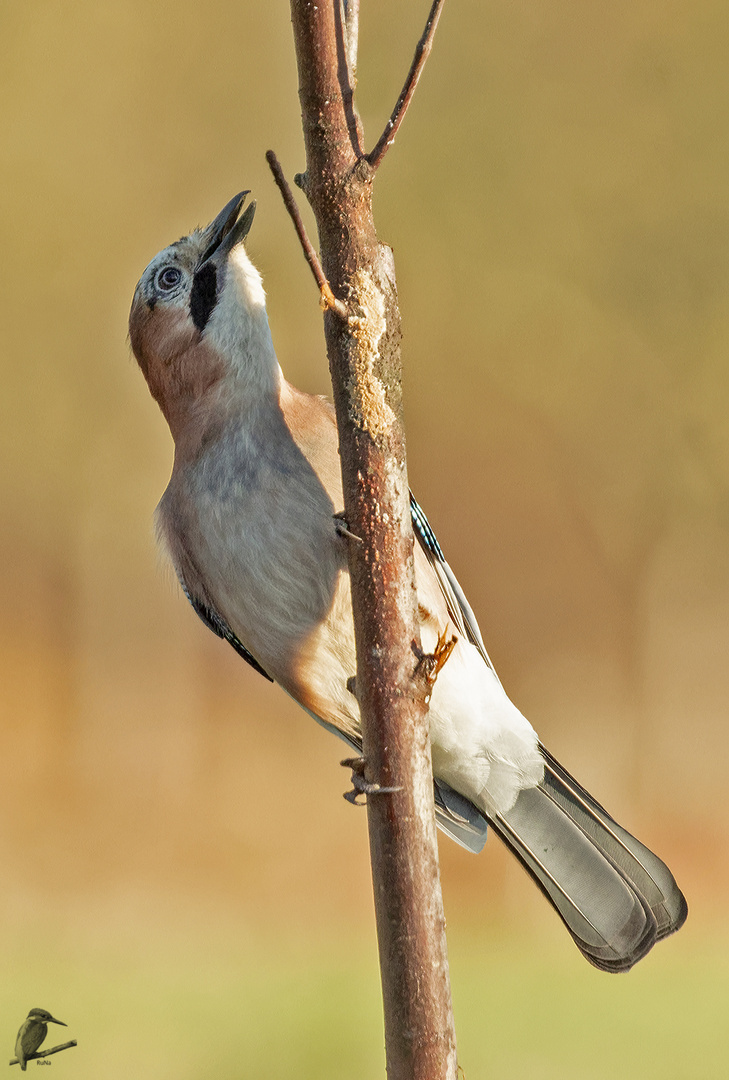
<point>371,411</point>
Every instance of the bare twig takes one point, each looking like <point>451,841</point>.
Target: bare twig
<point>351,35</point>
<point>327,297</point>
<point>45,1053</point>
<point>346,22</point>
<point>422,53</point>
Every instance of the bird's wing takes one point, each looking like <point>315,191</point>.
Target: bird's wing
<point>220,627</point>
<point>19,1041</point>
<point>459,608</point>
<point>192,584</point>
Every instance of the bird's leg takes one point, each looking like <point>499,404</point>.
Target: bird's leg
<point>360,784</point>
<point>430,664</point>
<point>340,524</point>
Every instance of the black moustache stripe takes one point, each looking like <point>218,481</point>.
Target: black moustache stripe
<point>204,295</point>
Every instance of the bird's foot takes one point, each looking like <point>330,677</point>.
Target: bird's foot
<point>340,524</point>
<point>430,664</point>
<point>360,784</point>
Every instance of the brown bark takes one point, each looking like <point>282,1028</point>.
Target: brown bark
<point>364,358</point>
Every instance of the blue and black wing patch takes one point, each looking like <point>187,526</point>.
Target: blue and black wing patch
<point>422,528</point>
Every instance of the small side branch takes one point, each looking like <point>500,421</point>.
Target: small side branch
<point>422,52</point>
<point>327,297</point>
<point>351,35</point>
<point>46,1053</point>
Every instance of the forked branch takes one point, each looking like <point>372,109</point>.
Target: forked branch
<point>327,297</point>
<point>422,52</point>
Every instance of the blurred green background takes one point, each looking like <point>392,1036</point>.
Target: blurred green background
<point>182,882</point>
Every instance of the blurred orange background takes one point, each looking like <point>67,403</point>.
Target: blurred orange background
<point>172,829</point>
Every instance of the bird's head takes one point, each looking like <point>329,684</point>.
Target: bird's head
<point>44,1017</point>
<point>198,320</point>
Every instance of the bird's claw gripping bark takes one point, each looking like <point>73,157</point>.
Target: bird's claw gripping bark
<point>360,784</point>
<point>340,524</point>
<point>430,664</point>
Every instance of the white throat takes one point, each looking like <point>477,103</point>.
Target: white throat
<point>239,330</point>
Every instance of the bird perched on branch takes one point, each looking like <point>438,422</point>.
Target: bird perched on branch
<point>250,521</point>
<point>32,1032</point>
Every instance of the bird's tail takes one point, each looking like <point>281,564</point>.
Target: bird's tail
<point>615,896</point>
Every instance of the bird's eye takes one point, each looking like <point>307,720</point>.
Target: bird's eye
<point>168,278</point>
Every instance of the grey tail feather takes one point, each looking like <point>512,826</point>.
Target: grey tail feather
<point>459,818</point>
<point>615,896</point>
<point>645,870</point>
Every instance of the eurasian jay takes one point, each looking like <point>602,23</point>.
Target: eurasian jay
<point>249,520</point>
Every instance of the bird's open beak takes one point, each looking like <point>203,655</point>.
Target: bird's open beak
<point>228,230</point>
<point>53,1020</point>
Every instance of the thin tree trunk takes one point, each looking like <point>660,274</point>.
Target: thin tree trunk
<point>363,342</point>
